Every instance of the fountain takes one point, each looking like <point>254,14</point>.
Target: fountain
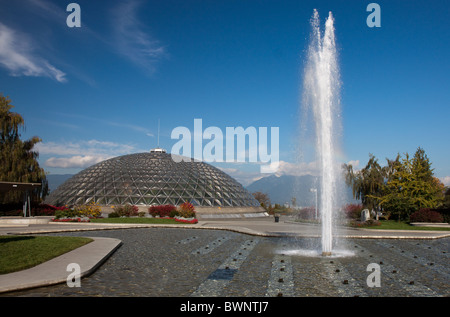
<point>321,86</point>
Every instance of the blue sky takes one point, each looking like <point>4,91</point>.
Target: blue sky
<point>98,91</point>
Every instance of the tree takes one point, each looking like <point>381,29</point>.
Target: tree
<point>402,187</point>
<point>367,184</point>
<point>262,198</point>
<point>18,160</point>
<point>411,186</point>
<point>294,201</point>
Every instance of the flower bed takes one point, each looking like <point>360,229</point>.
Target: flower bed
<point>191,220</point>
<point>184,213</point>
<point>183,220</point>
<point>72,219</point>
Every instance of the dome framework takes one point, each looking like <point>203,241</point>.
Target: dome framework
<point>152,178</point>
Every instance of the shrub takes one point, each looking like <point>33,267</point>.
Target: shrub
<point>127,210</point>
<point>353,211</point>
<point>174,213</point>
<point>306,213</point>
<point>113,215</point>
<point>66,213</point>
<point>91,210</point>
<point>46,210</point>
<point>426,215</point>
<point>368,223</point>
<point>445,215</point>
<point>162,210</point>
<point>186,210</point>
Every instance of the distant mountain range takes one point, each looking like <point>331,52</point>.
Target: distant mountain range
<point>281,189</point>
<point>54,180</point>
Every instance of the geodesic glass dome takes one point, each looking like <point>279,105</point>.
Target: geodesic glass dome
<point>152,178</point>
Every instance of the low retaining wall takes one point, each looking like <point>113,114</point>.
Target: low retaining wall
<point>430,224</point>
<point>25,220</point>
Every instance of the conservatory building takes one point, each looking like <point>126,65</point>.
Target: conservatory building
<point>155,178</point>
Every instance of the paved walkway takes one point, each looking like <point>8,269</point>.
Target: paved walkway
<point>92,255</point>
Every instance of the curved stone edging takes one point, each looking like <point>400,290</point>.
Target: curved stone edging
<point>89,257</point>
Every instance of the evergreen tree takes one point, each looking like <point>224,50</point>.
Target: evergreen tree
<point>18,160</point>
<point>411,186</point>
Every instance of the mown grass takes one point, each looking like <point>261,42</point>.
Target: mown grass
<point>22,252</point>
<point>138,220</point>
<point>400,225</point>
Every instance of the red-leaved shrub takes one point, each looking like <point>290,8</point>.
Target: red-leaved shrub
<point>46,210</point>
<point>426,215</point>
<point>162,210</point>
<point>353,211</point>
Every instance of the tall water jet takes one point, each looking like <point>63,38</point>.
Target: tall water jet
<point>321,87</point>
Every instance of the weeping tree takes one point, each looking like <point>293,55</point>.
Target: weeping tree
<point>18,160</point>
<point>367,184</point>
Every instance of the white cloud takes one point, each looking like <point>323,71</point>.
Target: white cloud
<point>74,161</point>
<point>445,180</point>
<point>81,154</point>
<point>132,40</point>
<point>90,147</point>
<point>247,173</point>
<point>17,55</point>
<point>297,169</point>
<point>243,177</point>
<point>355,164</point>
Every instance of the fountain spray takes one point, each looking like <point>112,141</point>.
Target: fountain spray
<point>321,88</point>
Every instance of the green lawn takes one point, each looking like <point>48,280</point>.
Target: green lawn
<point>143,220</point>
<point>22,252</point>
<point>399,225</point>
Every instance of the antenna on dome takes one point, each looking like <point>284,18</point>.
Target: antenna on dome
<point>158,149</point>
<point>158,133</point>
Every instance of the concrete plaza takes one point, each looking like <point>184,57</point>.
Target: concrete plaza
<point>235,257</point>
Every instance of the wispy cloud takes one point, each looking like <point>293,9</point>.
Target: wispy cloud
<point>132,127</point>
<point>17,54</point>
<point>131,38</point>
<point>90,147</point>
<point>49,10</point>
<point>74,161</point>
<point>123,125</point>
<point>81,154</point>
